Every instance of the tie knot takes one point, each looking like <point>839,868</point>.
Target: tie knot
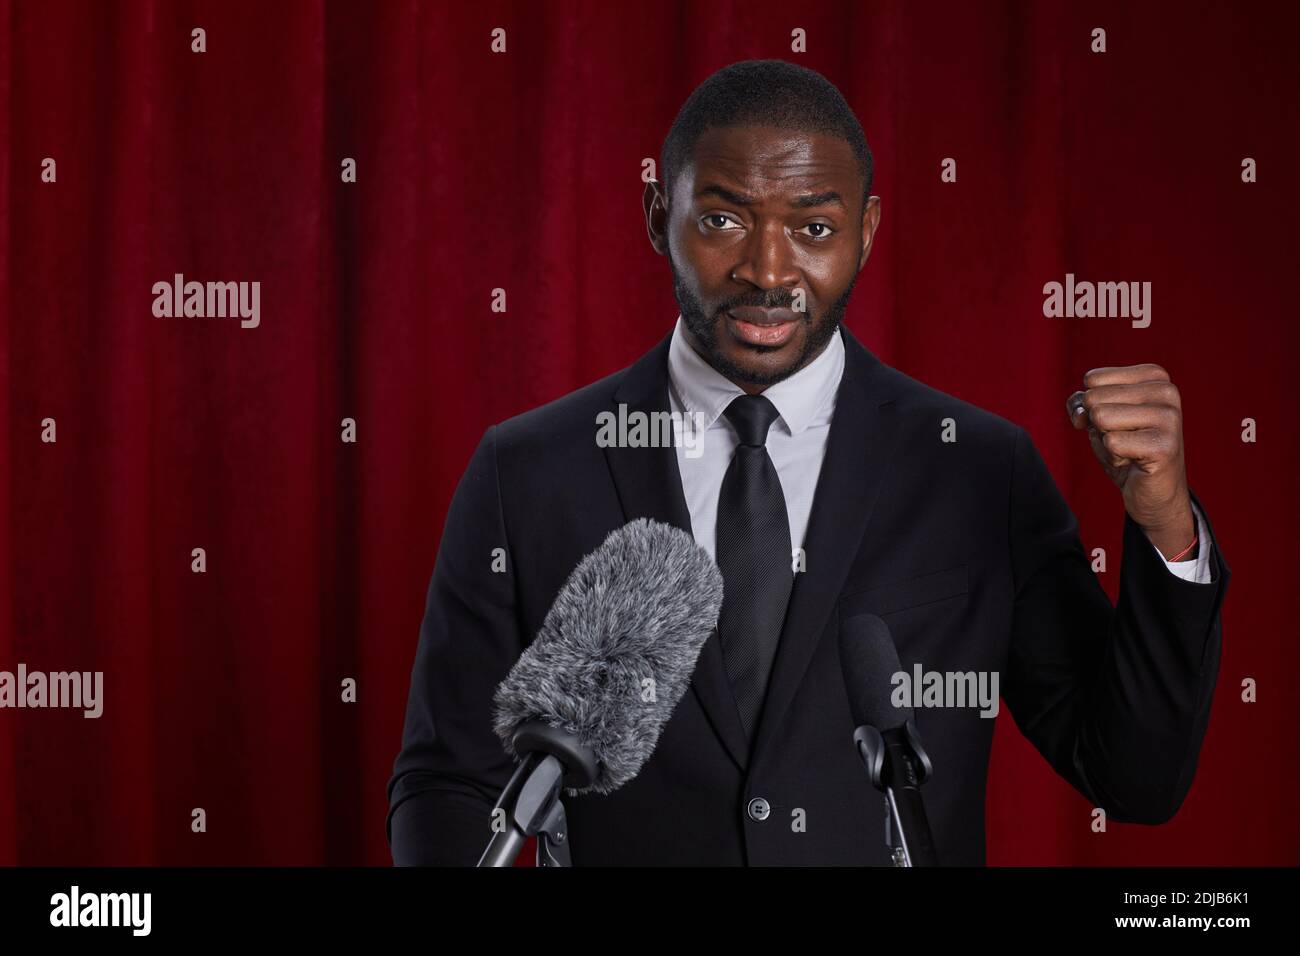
<point>752,416</point>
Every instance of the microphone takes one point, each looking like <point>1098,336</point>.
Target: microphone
<point>583,706</point>
<point>886,738</point>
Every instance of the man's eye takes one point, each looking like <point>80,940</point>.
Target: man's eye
<point>824,230</point>
<point>716,220</point>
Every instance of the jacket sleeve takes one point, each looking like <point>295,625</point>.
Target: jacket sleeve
<point>451,766</point>
<point>1116,698</point>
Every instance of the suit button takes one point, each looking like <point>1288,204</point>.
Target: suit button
<point>759,809</point>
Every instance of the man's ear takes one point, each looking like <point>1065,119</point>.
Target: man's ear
<point>870,221</point>
<point>654,200</point>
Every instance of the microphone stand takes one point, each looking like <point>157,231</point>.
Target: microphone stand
<point>551,760</point>
<point>897,765</point>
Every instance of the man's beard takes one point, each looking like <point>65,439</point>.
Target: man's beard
<point>704,328</point>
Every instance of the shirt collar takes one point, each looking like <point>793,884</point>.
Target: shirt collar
<point>800,399</point>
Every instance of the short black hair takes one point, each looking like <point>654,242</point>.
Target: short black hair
<point>764,93</point>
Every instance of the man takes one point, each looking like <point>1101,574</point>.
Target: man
<point>825,489</point>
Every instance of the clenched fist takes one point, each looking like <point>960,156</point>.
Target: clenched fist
<point>1134,420</point>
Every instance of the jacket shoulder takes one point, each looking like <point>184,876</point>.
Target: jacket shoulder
<point>926,406</point>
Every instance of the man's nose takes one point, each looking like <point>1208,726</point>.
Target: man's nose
<point>767,260</point>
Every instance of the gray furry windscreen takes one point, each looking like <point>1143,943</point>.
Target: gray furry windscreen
<point>617,648</point>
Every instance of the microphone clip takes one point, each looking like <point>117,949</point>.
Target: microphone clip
<point>551,759</point>
<point>871,747</point>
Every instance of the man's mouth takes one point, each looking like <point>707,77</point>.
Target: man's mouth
<point>765,327</point>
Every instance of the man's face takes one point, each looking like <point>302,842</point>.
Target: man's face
<point>759,219</point>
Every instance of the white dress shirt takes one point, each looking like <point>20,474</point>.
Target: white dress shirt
<point>796,441</point>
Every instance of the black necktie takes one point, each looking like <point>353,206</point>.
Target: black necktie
<point>753,553</point>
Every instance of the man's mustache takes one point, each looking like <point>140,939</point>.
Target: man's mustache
<point>772,299</point>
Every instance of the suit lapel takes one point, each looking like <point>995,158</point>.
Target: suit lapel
<point>863,435</point>
<point>650,486</point>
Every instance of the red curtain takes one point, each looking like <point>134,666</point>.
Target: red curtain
<point>520,171</point>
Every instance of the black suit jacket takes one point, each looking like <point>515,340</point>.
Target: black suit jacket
<point>966,549</point>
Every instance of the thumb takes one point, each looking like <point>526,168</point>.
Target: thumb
<point>1075,410</point>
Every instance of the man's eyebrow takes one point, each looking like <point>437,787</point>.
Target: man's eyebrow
<point>712,189</point>
<point>830,197</point>
<point>817,199</point>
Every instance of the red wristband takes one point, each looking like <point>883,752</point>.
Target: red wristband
<point>1186,551</point>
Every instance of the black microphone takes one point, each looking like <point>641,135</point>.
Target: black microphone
<point>886,738</point>
<point>583,706</point>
